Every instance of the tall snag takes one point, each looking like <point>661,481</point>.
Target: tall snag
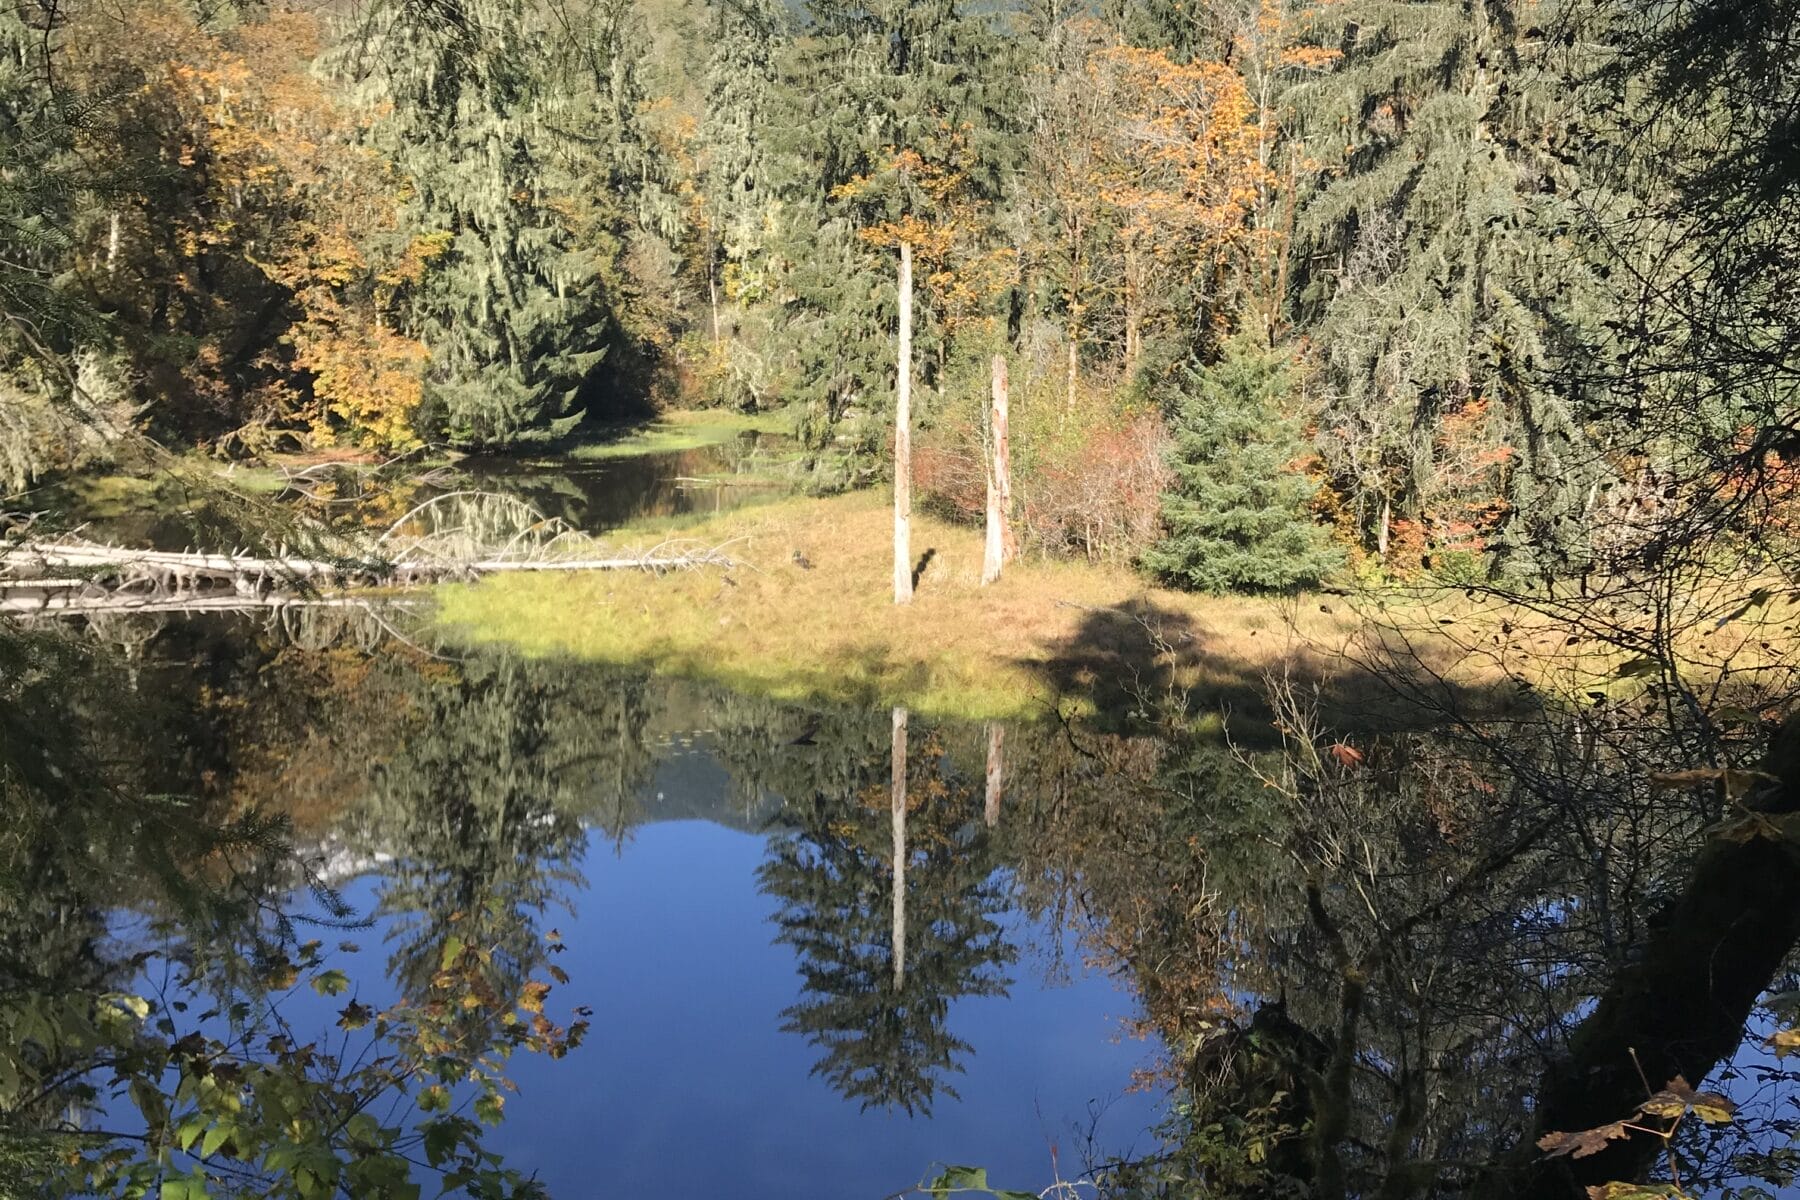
<point>1000,548</point>
<point>903,581</point>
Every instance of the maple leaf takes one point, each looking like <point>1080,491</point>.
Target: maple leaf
<point>532,999</point>
<point>1678,1097</point>
<point>1582,1143</point>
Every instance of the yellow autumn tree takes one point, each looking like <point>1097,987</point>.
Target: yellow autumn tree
<point>926,199</point>
<point>266,239</point>
<point>362,379</point>
<point>1181,175</point>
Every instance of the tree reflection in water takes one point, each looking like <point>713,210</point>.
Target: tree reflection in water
<point>885,945</point>
<point>1377,965</point>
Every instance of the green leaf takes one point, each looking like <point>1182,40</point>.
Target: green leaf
<point>1633,1191</point>
<point>453,950</point>
<point>215,1137</point>
<point>185,1187</point>
<point>330,983</point>
<point>439,1140</point>
<point>957,1179</point>
<point>150,1102</point>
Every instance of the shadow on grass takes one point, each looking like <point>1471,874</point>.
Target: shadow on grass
<point>1139,660</point>
<point>918,571</point>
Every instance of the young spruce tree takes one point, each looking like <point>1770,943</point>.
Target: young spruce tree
<point>1237,518</point>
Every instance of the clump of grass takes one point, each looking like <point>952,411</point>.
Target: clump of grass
<point>811,617</point>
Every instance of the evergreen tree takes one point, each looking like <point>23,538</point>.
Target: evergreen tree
<point>741,74</point>
<point>510,307</point>
<point>48,330</point>
<point>866,82</point>
<point>613,180</point>
<point>479,813</point>
<point>36,133</point>
<point>881,1042</point>
<point>1700,108</point>
<point>1237,518</point>
<point>1444,266</point>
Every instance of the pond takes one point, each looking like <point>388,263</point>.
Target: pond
<point>600,494</point>
<point>717,871</point>
<point>597,490</point>
<point>645,935</point>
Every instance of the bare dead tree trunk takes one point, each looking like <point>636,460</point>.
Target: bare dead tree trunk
<point>1381,536</point>
<point>1074,367</point>
<point>1133,299</point>
<point>996,769</point>
<point>1000,549</point>
<point>903,587</point>
<point>1074,294</point>
<point>112,243</point>
<point>899,819</point>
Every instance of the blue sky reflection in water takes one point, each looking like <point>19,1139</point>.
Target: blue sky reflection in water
<point>688,1085</point>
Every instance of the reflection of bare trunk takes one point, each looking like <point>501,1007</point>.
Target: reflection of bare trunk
<point>903,587</point>
<point>899,817</point>
<point>999,483</point>
<point>995,774</point>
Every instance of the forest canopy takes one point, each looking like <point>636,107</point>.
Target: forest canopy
<point>1520,272</point>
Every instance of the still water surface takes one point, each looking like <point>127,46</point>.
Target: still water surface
<point>797,989</point>
<point>689,1084</point>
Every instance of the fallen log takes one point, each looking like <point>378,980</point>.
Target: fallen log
<point>37,577</point>
<point>14,605</point>
<point>453,536</point>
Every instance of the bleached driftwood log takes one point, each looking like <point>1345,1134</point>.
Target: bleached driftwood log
<point>456,536</point>
<point>40,576</point>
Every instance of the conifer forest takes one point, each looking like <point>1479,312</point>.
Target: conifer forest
<point>865,599</point>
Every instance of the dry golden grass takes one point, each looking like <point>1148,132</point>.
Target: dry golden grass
<point>1050,633</point>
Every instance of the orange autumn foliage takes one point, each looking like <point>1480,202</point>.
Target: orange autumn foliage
<point>272,200</point>
<point>946,224</point>
<point>1180,173</point>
